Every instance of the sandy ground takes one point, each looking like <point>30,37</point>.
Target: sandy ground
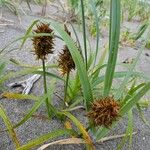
<point>35,126</point>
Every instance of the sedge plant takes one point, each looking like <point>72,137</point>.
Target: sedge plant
<point>103,110</point>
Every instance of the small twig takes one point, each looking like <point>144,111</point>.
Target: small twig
<point>114,137</point>
<point>56,94</point>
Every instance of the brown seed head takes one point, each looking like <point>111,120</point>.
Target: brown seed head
<point>43,45</point>
<point>65,61</point>
<point>104,111</point>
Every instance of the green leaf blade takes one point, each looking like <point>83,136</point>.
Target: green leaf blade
<point>113,44</point>
<point>87,93</point>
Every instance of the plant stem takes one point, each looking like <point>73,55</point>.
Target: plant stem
<point>84,32</point>
<point>66,87</point>
<point>45,87</point>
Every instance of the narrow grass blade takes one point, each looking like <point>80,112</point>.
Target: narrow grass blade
<point>17,96</point>
<point>113,44</point>
<point>77,38</point>
<point>128,75</point>
<point>28,32</point>
<point>9,44</point>
<point>31,111</point>
<point>131,92</point>
<point>8,124</point>
<point>36,106</point>
<point>9,75</point>
<point>128,133</point>
<point>2,66</point>
<point>20,64</point>
<point>90,62</point>
<point>49,74</point>
<point>27,71</point>
<point>121,74</point>
<point>87,93</point>
<point>44,138</point>
<point>11,7</point>
<point>74,88</point>
<point>82,129</point>
<point>130,116</point>
<point>84,32</point>
<point>24,38</point>
<point>142,116</point>
<point>28,3</point>
<point>141,30</point>
<point>95,73</point>
<point>93,8</point>
<point>100,65</point>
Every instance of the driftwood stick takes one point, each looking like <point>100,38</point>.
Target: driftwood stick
<point>27,84</point>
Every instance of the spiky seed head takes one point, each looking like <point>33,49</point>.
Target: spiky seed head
<point>104,112</point>
<point>65,61</point>
<point>43,45</point>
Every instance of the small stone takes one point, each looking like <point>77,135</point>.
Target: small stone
<point>147,54</point>
<point>128,61</point>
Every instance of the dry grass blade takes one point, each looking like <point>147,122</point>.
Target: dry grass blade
<point>113,137</point>
<point>80,141</point>
<point>9,126</point>
<point>63,141</point>
<point>18,96</point>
